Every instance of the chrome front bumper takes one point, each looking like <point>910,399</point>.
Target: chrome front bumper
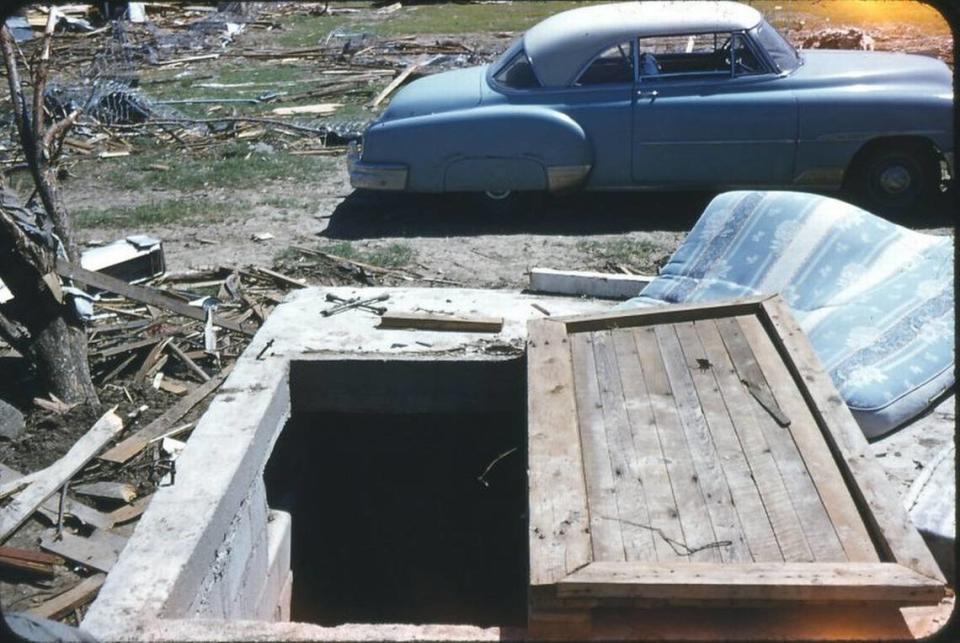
<point>374,176</point>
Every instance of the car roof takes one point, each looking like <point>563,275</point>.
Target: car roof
<point>562,44</point>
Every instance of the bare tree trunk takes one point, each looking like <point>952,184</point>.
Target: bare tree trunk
<point>39,323</point>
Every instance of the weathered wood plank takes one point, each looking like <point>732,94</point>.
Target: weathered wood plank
<point>814,521</point>
<point>660,315</point>
<point>605,529</point>
<point>126,513</point>
<point>886,518</point>
<point>50,507</point>
<point>794,582</point>
<point>28,560</point>
<point>760,539</point>
<point>422,321</point>
<point>44,483</point>
<point>133,444</point>
<point>638,542</point>
<point>141,294</point>
<point>786,525</point>
<point>691,508</point>
<point>559,519</point>
<point>710,475</point>
<point>100,551</point>
<point>652,474</point>
<point>64,603</point>
<point>826,484</point>
<point>392,86</point>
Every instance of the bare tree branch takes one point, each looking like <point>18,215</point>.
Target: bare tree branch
<point>57,129</point>
<point>40,78</point>
<point>43,175</point>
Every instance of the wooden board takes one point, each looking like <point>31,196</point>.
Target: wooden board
<point>423,321</point>
<point>71,599</point>
<point>715,468</point>
<point>134,444</point>
<point>30,491</point>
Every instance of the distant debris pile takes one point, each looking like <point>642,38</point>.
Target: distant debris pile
<point>839,39</point>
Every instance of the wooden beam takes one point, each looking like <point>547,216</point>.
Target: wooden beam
<point>666,314</point>
<point>135,443</point>
<point>396,82</point>
<point>44,483</point>
<point>844,582</point>
<point>592,284</point>
<point>28,560</point>
<point>51,506</point>
<point>71,599</point>
<point>100,551</point>
<point>889,524</point>
<point>143,295</point>
<point>418,321</point>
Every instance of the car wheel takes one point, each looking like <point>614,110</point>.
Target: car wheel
<point>895,179</point>
<point>509,202</point>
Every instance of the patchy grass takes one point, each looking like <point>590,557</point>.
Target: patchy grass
<point>635,252</point>
<point>155,213</point>
<point>283,202</point>
<point>393,255</point>
<point>232,166</point>
<point>311,31</point>
<point>471,18</point>
<point>447,18</point>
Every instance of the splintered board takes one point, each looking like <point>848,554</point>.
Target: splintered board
<point>699,455</point>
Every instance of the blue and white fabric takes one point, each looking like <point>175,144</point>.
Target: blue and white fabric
<point>875,299</point>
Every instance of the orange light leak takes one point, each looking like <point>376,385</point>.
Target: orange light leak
<point>861,13</point>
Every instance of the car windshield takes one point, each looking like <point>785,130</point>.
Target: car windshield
<point>782,53</point>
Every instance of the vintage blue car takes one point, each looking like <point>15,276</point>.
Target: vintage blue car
<point>674,95</point>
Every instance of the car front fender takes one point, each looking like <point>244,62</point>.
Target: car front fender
<point>503,147</point>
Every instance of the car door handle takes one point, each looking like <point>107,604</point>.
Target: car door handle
<point>647,93</point>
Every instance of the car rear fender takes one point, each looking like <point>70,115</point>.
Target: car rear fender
<point>502,147</point>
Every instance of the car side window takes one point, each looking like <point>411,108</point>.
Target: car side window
<point>613,65</point>
<point>518,73</point>
<point>695,56</point>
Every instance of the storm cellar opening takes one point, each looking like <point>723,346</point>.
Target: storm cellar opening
<point>407,485</point>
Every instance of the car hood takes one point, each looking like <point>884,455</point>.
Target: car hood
<point>824,66</point>
<point>443,92</point>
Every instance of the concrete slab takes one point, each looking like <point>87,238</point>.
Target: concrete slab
<point>187,556</point>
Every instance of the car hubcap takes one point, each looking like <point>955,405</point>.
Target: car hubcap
<point>895,179</point>
<point>497,195</point>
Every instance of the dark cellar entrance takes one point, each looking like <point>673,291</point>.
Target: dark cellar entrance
<point>381,466</point>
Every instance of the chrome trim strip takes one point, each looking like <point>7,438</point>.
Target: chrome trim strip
<point>862,136</point>
<point>781,141</point>
<point>829,176</point>
<point>374,176</point>
<point>560,177</point>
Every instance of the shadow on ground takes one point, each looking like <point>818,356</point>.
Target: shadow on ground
<point>365,215</point>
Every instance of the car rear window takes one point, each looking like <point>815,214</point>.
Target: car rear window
<point>518,73</point>
<point>612,66</point>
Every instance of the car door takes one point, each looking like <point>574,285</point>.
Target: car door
<point>697,122</point>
